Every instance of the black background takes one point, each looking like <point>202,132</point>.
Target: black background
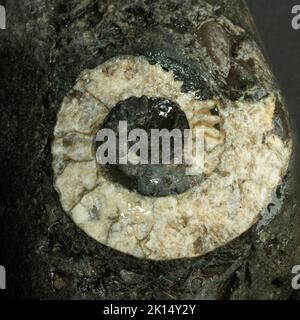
<point>282,44</point>
<point>282,48</point>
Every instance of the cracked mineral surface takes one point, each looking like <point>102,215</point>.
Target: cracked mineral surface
<point>244,163</point>
<point>236,231</point>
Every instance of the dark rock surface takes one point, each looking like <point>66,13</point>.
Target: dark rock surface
<point>45,47</point>
<point>147,114</point>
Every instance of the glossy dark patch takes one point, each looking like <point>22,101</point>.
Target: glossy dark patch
<point>147,114</point>
<point>241,77</point>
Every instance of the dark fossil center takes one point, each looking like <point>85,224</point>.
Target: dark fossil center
<point>145,113</point>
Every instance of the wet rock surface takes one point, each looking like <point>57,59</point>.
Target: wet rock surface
<point>46,46</point>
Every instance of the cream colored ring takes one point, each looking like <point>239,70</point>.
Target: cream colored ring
<point>250,161</point>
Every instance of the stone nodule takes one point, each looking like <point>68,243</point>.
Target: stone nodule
<point>232,233</point>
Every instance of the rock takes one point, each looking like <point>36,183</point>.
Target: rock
<point>46,46</point>
<point>215,39</point>
<point>58,281</point>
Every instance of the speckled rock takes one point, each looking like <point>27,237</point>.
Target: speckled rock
<point>245,161</point>
<point>211,49</point>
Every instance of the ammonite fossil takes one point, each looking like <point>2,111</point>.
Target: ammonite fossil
<point>151,230</point>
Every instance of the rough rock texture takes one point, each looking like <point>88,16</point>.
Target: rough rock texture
<point>46,46</point>
<point>244,162</point>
